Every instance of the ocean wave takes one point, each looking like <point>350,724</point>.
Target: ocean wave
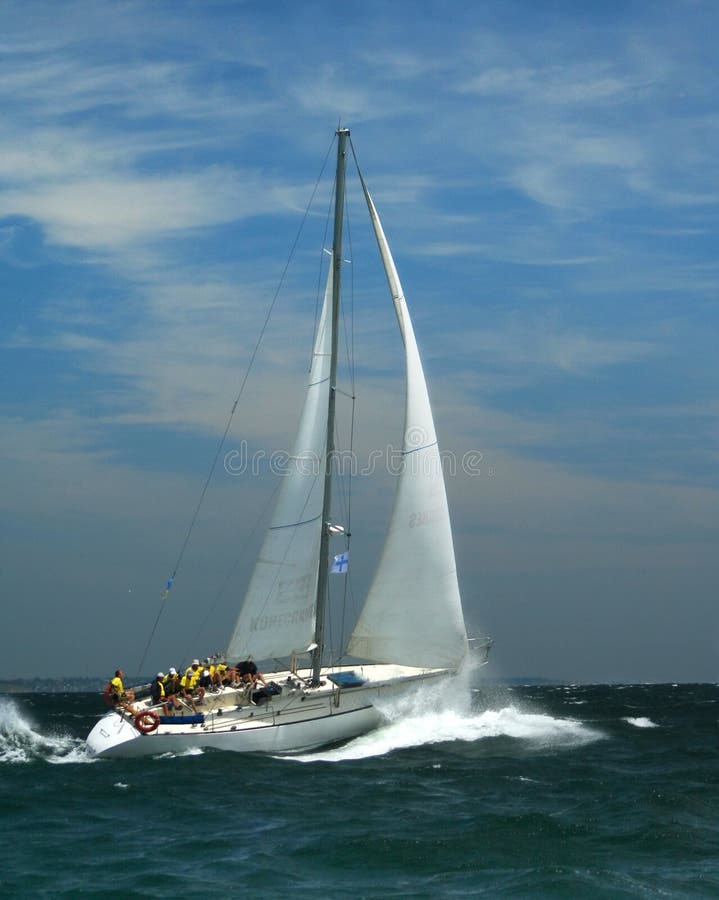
<point>640,721</point>
<point>21,742</point>
<point>176,754</point>
<point>408,729</point>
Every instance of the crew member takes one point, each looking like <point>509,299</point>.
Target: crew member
<point>248,673</point>
<point>157,692</point>
<point>118,694</point>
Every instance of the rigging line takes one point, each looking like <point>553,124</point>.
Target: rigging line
<point>249,367</point>
<point>345,502</point>
<point>354,156</point>
<point>237,400</point>
<point>347,585</point>
<point>349,350</point>
<point>338,475</point>
<point>149,641</point>
<point>339,496</point>
<point>268,595</point>
<point>344,481</point>
<point>320,292</point>
<point>246,546</point>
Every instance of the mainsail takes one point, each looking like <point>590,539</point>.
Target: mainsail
<point>278,613</point>
<point>413,612</point>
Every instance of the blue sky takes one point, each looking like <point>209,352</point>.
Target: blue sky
<point>548,179</point>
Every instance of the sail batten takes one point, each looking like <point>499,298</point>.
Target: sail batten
<point>295,524</point>
<point>418,449</point>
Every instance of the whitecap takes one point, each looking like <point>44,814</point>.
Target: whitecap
<point>174,754</point>
<point>78,752</point>
<point>20,742</point>
<point>640,721</point>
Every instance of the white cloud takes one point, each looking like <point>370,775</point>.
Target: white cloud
<point>557,84</point>
<point>537,343</point>
<point>116,211</point>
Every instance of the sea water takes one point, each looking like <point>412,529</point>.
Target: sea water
<point>535,791</point>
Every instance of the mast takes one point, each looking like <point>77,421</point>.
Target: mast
<point>324,561</point>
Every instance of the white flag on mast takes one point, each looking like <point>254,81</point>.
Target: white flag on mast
<point>341,563</point>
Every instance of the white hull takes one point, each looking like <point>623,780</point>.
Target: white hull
<point>298,719</point>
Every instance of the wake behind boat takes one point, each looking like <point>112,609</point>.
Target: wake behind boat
<point>411,630</point>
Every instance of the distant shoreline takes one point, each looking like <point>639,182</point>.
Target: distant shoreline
<point>88,685</point>
<point>92,685</point>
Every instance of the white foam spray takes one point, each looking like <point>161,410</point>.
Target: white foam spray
<point>640,722</point>
<point>175,754</point>
<point>20,742</point>
<point>434,714</point>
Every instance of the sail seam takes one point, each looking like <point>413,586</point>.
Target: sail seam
<point>417,449</point>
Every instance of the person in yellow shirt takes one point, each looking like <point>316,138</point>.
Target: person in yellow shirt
<point>186,688</point>
<point>118,694</point>
<point>157,692</point>
<point>193,673</point>
<point>171,684</point>
<point>219,674</point>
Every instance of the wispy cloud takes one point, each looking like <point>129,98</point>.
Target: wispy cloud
<point>556,84</point>
<point>116,211</point>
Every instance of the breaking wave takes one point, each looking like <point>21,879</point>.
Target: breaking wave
<point>21,742</point>
<point>415,721</point>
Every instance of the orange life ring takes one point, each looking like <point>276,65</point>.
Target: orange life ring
<point>145,722</point>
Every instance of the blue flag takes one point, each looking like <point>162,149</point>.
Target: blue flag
<point>341,563</point>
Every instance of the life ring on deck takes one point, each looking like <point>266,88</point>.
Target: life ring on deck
<point>145,722</point>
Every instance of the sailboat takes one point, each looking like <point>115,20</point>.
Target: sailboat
<point>411,630</point>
